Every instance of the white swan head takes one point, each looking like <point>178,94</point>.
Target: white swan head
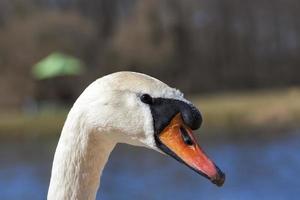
<point>137,109</point>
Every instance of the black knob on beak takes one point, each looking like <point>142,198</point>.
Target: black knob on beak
<point>191,116</point>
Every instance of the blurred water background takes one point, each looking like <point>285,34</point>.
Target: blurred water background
<point>256,169</point>
<point>238,61</point>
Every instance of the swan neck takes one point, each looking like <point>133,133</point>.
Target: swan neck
<point>79,159</point>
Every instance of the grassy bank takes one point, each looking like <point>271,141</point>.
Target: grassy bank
<point>227,113</point>
<point>261,112</point>
<point>44,123</point>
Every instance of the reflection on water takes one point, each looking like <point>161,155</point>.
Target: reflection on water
<point>255,169</point>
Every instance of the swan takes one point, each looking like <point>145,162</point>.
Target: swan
<point>124,107</point>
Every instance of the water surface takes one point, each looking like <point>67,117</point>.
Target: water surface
<point>256,168</point>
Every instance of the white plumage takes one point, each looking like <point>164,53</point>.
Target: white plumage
<point>108,112</point>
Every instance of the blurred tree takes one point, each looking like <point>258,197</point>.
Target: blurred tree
<point>198,46</point>
<point>24,42</point>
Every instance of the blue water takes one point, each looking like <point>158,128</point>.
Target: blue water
<point>255,168</point>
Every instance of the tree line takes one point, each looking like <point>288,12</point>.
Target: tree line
<point>197,46</point>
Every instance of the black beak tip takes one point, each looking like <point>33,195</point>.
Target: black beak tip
<point>219,179</point>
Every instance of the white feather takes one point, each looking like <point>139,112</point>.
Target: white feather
<point>108,112</point>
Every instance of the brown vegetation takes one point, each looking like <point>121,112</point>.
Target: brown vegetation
<point>194,45</point>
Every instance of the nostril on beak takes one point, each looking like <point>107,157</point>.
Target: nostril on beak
<point>186,137</point>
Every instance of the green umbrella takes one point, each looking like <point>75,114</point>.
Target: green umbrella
<point>57,64</point>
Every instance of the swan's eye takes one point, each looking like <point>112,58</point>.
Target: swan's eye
<point>186,137</point>
<point>146,98</point>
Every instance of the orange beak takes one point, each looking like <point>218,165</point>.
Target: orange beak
<point>178,141</point>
